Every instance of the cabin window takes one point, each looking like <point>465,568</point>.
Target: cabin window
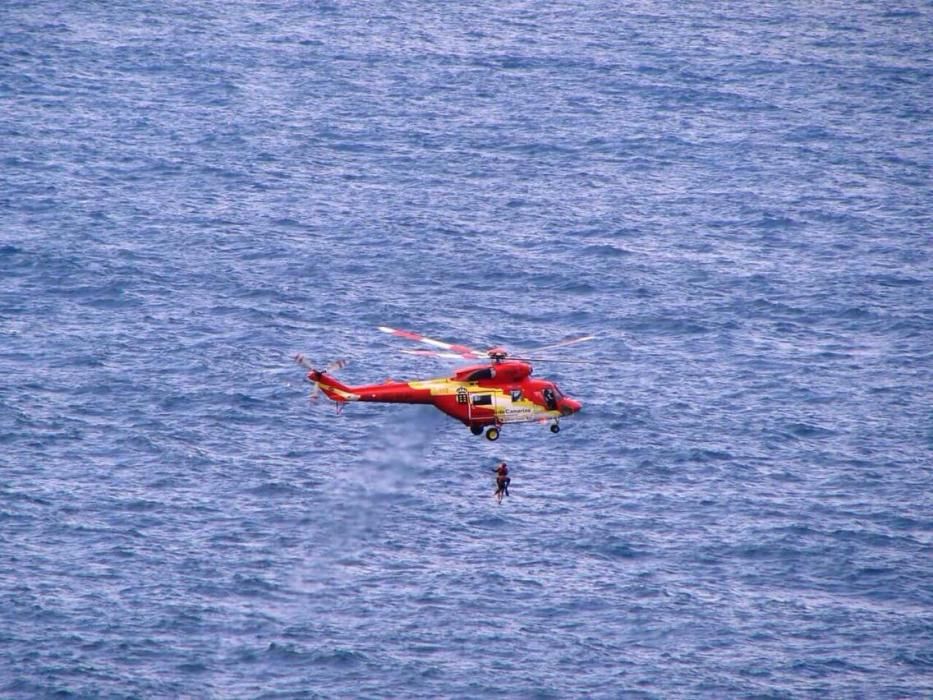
<point>482,399</point>
<point>516,394</point>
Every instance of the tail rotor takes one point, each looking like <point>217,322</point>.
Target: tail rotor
<point>331,367</point>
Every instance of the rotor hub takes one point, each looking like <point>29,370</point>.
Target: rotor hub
<point>497,354</point>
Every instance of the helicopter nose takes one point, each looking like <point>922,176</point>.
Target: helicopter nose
<point>569,406</point>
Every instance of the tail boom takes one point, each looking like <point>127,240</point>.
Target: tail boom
<point>332,388</point>
<point>389,392</point>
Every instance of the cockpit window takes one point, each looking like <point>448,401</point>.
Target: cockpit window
<point>516,394</point>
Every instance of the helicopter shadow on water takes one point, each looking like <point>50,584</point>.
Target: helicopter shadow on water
<point>400,449</point>
<point>416,452</point>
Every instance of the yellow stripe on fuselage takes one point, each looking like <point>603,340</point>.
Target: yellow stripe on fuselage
<point>444,386</point>
<point>506,409</point>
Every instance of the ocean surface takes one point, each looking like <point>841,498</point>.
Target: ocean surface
<point>734,197</point>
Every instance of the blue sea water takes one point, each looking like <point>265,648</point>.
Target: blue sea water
<point>735,197</point>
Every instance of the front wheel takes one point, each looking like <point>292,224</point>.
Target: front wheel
<point>476,429</point>
<point>555,428</point>
<point>492,434</point>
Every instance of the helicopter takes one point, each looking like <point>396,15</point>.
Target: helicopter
<point>483,396</point>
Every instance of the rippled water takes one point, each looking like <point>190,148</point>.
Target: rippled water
<point>734,196</point>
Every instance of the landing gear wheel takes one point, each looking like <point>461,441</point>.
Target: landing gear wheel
<point>555,428</point>
<point>476,429</point>
<point>492,434</point>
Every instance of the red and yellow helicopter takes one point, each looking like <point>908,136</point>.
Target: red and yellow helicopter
<point>482,396</point>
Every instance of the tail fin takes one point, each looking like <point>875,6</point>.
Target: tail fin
<point>332,388</point>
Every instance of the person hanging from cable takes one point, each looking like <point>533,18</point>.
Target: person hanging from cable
<point>502,481</point>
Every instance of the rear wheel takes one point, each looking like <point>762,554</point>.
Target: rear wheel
<point>476,429</point>
<point>492,434</point>
<point>555,428</point>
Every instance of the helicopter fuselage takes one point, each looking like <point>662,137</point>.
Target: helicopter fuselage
<point>480,396</point>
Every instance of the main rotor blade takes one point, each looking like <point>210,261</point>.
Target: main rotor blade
<point>565,343</point>
<point>462,351</point>
<point>566,362</point>
<point>436,353</point>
